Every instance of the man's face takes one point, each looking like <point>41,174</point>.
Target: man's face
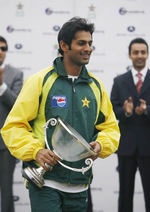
<point>2,53</point>
<point>81,48</point>
<point>139,55</point>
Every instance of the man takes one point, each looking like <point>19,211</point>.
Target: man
<point>11,81</point>
<point>130,97</point>
<point>86,107</point>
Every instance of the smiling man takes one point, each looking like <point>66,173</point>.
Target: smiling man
<point>130,97</point>
<point>68,91</point>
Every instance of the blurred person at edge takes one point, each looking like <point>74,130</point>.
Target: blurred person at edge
<point>11,81</point>
<point>86,107</point>
<point>130,97</point>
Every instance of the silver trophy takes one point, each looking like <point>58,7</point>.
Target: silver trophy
<point>68,144</point>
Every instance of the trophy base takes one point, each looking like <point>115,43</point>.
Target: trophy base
<point>33,176</point>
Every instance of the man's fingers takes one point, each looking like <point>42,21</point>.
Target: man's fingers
<point>143,101</point>
<point>46,156</point>
<point>55,156</point>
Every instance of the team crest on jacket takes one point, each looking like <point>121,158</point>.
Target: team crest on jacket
<point>85,102</point>
<point>59,101</point>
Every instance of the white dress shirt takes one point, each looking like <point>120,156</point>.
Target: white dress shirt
<point>134,74</point>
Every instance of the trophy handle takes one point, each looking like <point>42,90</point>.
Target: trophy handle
<point>88,162</point>
<point>53,123</point>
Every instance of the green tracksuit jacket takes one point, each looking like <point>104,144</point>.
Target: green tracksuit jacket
<point>84,104</point>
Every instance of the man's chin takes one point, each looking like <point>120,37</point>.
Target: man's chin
<point>85,61</point>
<point>140,66</point>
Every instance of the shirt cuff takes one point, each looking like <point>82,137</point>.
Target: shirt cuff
<point>3,88</point>
<point>146,112</point>
<point>128,115</point>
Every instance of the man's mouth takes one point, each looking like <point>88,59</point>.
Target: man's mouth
<point>85,56</point>
<point>140,61</point>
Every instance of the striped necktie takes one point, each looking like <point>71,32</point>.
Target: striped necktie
<point>139,83</point>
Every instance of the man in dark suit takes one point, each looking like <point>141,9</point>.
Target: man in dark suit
<point>11,81</point>
<point>130,97</point>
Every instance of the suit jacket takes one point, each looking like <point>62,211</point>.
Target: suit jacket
<point>135,130</point>
<point>14,80</point>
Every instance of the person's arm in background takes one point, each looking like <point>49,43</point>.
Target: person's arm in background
<point>123,108</point>
<point>9,94</point>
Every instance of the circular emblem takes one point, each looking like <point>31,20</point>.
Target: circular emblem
<point>122,11</point>
<point>131,28</point>
<point>48,11</point>
<point>56,28</point>
<point>10,29</point>
<point>61,102</point>
<point>18,46</point>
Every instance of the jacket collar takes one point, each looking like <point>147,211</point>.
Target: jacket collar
<point>60,69</point>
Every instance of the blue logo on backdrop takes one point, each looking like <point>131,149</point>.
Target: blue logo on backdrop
<point>122,11</point>
<point>59,101</point>
<point>48,11</point>
<point>56,28</point>
<point>18,46</point>
<point>131,28</point>
<point>10,29</point>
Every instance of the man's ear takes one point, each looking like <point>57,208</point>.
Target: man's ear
<point>64,46</point>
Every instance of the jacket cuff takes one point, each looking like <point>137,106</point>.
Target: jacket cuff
<point>35,152</point>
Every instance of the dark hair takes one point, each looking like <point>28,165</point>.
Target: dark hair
<point>137,40</point>
<point>69,29</point>
<point>2,39</point>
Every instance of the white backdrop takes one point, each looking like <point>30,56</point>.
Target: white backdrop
<point>31,28</point>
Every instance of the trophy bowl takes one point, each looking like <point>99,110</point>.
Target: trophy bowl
<point>69,144</point>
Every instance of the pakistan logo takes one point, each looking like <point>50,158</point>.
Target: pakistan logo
<point>91,12</point>
<point>85,102</point>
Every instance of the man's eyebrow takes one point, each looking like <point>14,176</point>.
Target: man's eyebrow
<point>85,40</point>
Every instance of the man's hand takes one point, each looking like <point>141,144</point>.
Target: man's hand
<point>1,76</point>
<point>45,156</point>
<point>128,106</point>
<point>139,110</point>
<point>97,148</point>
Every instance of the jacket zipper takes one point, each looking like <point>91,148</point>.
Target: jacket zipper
<point>73,92</point>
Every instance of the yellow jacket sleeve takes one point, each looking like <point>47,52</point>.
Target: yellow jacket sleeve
<point>109,133</point>
<point>17,131</point>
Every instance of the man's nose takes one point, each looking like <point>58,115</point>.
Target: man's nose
<point>88,47</point>
<point>140,54</point>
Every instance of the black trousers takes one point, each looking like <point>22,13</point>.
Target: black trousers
<point>127,169</point>
<point>6,180</point>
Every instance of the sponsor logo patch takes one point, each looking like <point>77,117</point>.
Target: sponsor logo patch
<point>59,101</point>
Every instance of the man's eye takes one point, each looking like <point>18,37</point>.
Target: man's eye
<point>143,52</point>
<point>81,43</point>
<point>135,52</point>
